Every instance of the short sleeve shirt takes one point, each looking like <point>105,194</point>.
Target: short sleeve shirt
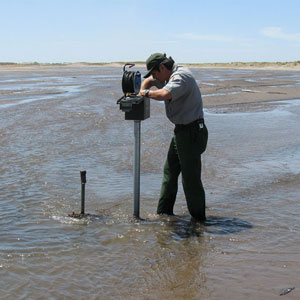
<point>186,104</point>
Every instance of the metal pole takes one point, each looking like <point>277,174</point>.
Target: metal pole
<point>137,152</point>
<point>83,182</point>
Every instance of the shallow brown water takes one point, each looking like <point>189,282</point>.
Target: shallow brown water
<point>54,124</point>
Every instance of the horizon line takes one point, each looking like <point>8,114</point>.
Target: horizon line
<point>142,62</point>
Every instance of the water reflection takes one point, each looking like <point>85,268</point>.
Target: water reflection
<point>224,225</point>
<point>188,228</point>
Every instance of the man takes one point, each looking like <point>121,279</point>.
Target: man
<point>178,88</point>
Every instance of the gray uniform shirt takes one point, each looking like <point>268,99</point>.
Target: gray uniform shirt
<point>186,105</point>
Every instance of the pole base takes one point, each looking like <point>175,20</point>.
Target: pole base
<point>78,216</point>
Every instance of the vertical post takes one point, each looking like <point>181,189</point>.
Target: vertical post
<point>83,182</point>
<point>137,151</point>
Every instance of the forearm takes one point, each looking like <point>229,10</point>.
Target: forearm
<point>147,84</point>
<point>160,95</point>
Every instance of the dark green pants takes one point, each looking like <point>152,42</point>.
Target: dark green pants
<point>184,157</point>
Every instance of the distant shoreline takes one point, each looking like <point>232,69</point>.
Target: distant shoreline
<point>293,66</point>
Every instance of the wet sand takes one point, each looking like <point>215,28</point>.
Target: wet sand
<point>243,89</point>
<point>237,88</point>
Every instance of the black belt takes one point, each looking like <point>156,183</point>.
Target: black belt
<point>196,122</point>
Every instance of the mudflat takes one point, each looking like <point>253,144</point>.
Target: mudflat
<point>245,84</point>
<point>257,86</point>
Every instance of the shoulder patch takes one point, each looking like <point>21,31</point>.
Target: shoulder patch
<point>174,77</point>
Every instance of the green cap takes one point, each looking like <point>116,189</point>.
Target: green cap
<point>153,61</point>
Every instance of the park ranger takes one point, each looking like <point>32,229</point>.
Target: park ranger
<point>179,90</point>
